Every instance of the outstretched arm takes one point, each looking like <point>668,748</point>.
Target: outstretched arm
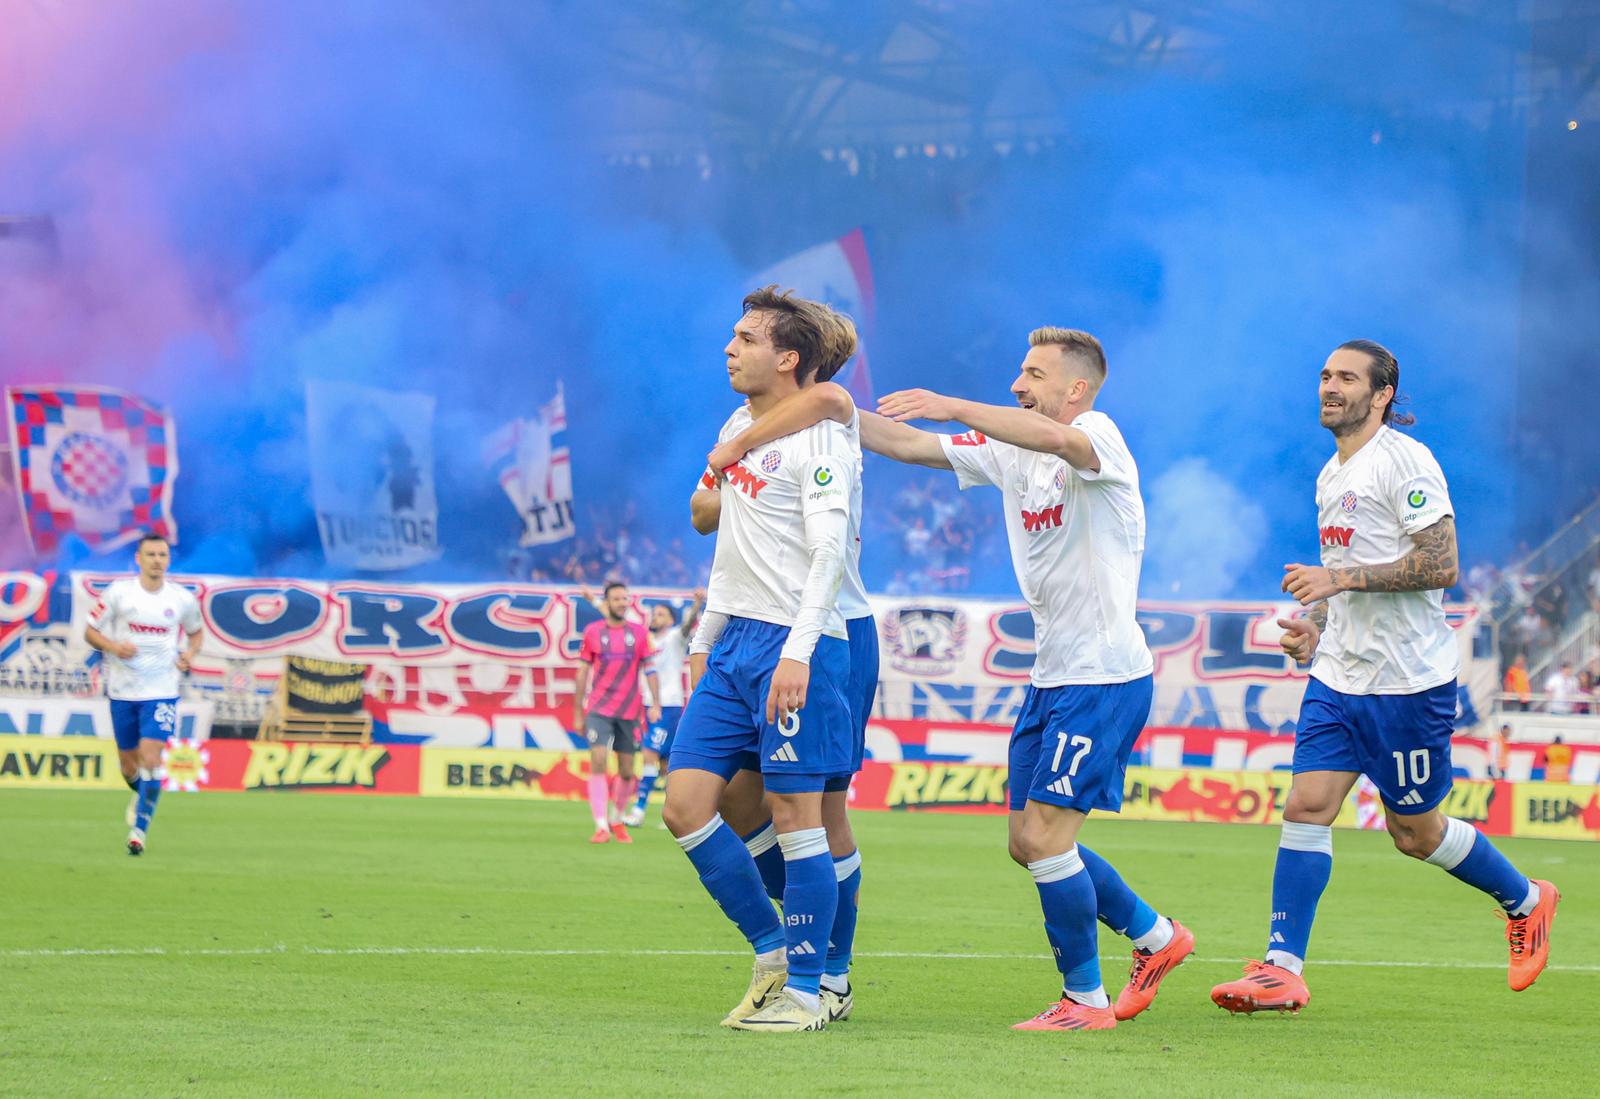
<point>796,412</point>
<point>1430,566</point>
<point>902,442</point>
<point>1020,427</point>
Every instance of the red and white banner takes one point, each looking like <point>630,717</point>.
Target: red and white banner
<point>534,467</point>
<point>837,273</point>
<point>92,462</point>
<point>945,662</point>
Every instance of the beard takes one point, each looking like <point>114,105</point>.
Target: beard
<point>1350,418</point>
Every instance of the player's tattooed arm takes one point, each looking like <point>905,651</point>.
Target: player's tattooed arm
<point>1430,566</point>
<point>1319,616</point>
<point>796,412</point>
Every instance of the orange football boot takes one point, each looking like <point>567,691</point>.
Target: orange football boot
<point>619,832</point>
<point>1068,1014</point>
<point>1262,988</point>
<point>1144,976</point>
<point>601,835</point>
<point>1529,938</point>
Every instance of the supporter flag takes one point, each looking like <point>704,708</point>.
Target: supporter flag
<point>839,274</point>
<point>531,460</point>
<point>372,475</point>
<point>91,462</point>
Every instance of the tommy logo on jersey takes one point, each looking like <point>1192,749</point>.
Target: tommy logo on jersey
<point>745,481</point>
<point>1337,536</point>
<point>1035,521</point>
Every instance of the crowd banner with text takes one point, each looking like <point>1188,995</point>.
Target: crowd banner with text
<point>962,662</point>
<point>372,475</point>
<point>530,459</point>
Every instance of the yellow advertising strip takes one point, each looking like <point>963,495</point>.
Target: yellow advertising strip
<point>1550,810</point>
<point>504,773</point>
<point>61,763</point>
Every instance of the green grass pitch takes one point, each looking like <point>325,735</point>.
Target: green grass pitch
<point>322,945</point>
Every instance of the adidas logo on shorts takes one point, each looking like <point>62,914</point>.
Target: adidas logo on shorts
<point>1061,786</point>
<point>1412,798</point>
<point>784,754</point>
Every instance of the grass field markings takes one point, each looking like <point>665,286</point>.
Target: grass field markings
<point>517,952</point>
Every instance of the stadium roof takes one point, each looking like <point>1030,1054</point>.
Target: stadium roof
<point>689,76</point>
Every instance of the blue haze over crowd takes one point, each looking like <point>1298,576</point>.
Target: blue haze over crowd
<point>468,200</point>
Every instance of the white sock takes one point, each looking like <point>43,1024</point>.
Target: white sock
<point>1284,960</point>
<point>1156,938</point>
<point>1097,998</point>
<point>775,958</point>
<point>1529,903</point>
<point>811,1001</point>
<point>836,982</point>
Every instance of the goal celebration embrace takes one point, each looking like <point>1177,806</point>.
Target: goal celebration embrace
<point>1380,701</point>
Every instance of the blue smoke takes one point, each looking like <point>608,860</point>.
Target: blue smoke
<point>415,197</point>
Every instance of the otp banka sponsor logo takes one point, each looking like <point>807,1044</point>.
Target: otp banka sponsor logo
<point>925,640</point>
<point>1337,536</point>
<point>1035,521</point>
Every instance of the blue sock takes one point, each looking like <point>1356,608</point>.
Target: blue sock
<point>729,875</point>
<point>841,941</point>
<point>763,846</point>
<point>810,900</point>
<point>149,794</point>
<point>647,782</point>
<point>1467,854</point>
<point>1120,908</point>
<point>1305,862</point>
<point>1067,896</point>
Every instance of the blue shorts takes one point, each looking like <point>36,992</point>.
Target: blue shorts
<point>147,719</point>
<point>1400,742</point>
<point>863,689</point>
<point>725,729</point>
<point>1071,744</point>
<point>659,737</point>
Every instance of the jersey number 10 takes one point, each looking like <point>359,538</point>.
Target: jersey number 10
<point>1420,767</point>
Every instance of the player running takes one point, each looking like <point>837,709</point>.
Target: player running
<point>139,624</point>
<point>670,637</point>
<point>1075,522</point>
<point>1381,700</point>
<point>743,805</point>
<point>617,650</point>
<point>773,694</point>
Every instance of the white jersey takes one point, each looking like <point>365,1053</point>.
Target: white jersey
<point>761,561</point>
<point>158,623</point>
<point>853,602</point>
<point>1382,643</point>
<point>1077,543</point>
<point>668,661</point>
